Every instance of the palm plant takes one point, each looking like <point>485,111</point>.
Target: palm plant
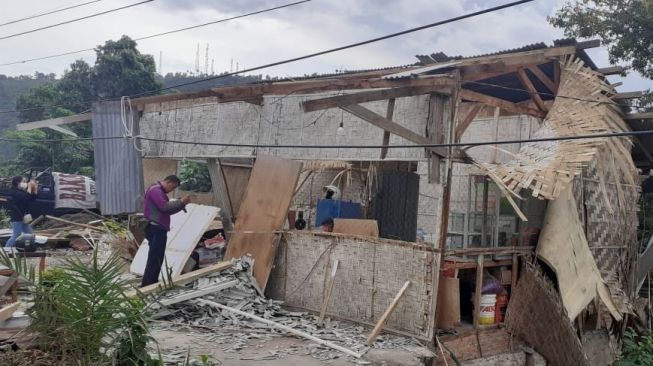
<point>82,315</point>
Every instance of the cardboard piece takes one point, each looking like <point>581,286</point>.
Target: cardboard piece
<point>356,227</point>
<point>186,230</point>
<point>563,246</point>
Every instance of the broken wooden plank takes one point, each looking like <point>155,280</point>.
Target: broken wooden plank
<point>388,311</point>
<point>628,95</point>
<point>53,122</point>
<point>395,128</point>
<point>182,279</point>
<point>76,223</point>
<point>501,103</point>
<point>198,293</point>
<point>263,212</point>
<point>642,115</point>
<point>370,96</point>
<point>8,311</point>
<point>327,295</point>
<point>282,327</point>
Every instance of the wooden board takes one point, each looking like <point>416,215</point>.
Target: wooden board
<point>356,227</point>
<point>186,229</point>
<point>448,303</point>
<point>263,211</point>
<point>181,280</point>
<point>563,246</point>
<point>236,178</point>
<point>8,311</point>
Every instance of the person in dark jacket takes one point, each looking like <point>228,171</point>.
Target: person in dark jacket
<point>157,210</point>
<point>20,197</point>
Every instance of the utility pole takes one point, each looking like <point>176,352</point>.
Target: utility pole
<point>161,62</point>
<point>206,60</point>
<point>212,66</point>
<point>197,59</point>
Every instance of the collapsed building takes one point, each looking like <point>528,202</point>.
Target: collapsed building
<point>453,177</point>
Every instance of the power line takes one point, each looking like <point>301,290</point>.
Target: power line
<point>162,34</point>
<point>38,15</point>
<point>75,20</point>
<point>320,53</point>
<point>296,146</point>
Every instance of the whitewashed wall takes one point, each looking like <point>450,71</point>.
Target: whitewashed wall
<point>280,121</point>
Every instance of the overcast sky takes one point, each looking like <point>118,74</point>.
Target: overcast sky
<point>286,33</point>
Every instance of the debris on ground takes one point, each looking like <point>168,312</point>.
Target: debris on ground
<point>189,307</point>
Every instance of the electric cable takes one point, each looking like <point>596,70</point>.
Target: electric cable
<point>163,33</point>
<point>320,53</point>
<point>296,146</point>
<point>48,12</point>
<point>74,20</point>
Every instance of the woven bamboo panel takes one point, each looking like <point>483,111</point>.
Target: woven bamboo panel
<point>370,272</point>
<point>609,215</point>
<point>536,314</point>
<point>582,107</point>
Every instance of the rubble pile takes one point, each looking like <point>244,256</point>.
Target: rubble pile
<point>234,332</point>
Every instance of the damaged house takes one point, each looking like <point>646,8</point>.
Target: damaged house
<point>464,199</point>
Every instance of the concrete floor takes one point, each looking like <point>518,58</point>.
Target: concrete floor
<point>259,351</point>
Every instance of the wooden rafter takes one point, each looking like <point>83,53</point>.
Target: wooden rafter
<point>528,84</point>
<point>612,70</point>
<point>501,103</point>
<point>254,91</point>
<point>543,78</point>
<point>54,122</point>
<point>388,125</point>
<point>464,123</point>
<point>370,96</point>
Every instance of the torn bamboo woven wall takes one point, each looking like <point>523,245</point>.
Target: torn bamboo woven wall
<point>582,106</point>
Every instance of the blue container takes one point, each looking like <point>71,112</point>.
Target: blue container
<point>336,210</point>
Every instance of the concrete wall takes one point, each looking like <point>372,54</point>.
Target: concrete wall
<point>369,275</point>
<point>279,121</point>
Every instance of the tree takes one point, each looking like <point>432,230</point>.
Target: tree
<point>120,69</point>
<point>626,26</point>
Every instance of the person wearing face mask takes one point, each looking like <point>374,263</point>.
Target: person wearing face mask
<point>20,197</point>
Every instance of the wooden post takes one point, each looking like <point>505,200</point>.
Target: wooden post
<point>386,134</point>
<point>479,286</point>
<point>435,133</point>
<point>515,272</point>
<point>386,314</point>
<point>221,194</point>
<point>327,295</point>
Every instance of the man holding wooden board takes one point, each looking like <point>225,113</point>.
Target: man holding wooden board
<point>157,210</point>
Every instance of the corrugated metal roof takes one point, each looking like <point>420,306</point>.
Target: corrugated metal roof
<point>118,165</point>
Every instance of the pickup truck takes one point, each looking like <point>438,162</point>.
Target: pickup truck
<point>58,194</point>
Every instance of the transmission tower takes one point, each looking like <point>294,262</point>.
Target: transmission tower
<point>206,60</point>
<point>197,59</point>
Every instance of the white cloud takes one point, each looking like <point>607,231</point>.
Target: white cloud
<point>282,34</point>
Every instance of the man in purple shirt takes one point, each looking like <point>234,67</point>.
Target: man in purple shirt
<point>157,210</point>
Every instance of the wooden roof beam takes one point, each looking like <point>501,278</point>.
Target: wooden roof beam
<point>370,96</point>
<point>543,77</point>
<point>392,127</point>
<point>83,117</point>
<point>254,91</point>
<point>501,103</point>
<point>628,95</point>
<point>636,116</point>
<point>467,120</point>
<point>612,70</point>
<point>528,84</point>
